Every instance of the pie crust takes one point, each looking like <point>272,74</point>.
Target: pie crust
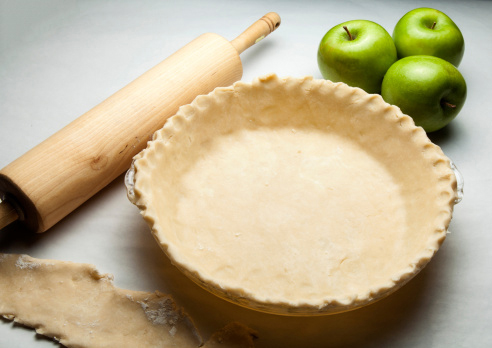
<point>295,196</point>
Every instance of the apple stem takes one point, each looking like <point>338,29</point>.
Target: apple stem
<point>348,32</point>
<point>452,106</point>
<point>433,25</point>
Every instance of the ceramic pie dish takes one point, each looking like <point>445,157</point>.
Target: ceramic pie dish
<point>295,196</point>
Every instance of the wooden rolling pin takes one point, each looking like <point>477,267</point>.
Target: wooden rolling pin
<point>51,180</point>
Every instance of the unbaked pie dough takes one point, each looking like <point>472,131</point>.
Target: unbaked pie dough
<point>295,196</point>
<point>80,307</point>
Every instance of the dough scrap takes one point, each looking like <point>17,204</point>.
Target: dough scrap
<point>79,307</point>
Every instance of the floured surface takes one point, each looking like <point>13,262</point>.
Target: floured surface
<point>244,215</point>
<point>79,307</point>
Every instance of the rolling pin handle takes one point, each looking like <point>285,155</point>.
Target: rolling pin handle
<point>8,213</point>
<point>256,32</point>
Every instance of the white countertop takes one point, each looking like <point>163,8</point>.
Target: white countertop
<point>60,58</point>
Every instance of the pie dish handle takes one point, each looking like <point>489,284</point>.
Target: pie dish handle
<point>459,182</point>
<point>130,182</point>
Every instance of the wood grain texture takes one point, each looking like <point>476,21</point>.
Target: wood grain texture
<point>68,168</point>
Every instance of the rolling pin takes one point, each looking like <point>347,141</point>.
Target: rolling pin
<point>51,180</point>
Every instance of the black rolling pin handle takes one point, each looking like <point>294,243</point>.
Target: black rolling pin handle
<point>8,212</point>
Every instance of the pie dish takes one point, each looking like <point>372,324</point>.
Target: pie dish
<point>294,196</point>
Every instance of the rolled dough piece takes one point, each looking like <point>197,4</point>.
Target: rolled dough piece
<point>79,307</point>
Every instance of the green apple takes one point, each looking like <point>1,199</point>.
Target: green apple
<point>358,53</point>
<point>425,31</point>
<point>429,89</point>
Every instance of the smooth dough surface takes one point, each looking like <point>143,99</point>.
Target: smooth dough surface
<point>79,307</point>
<point>263,215</point>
